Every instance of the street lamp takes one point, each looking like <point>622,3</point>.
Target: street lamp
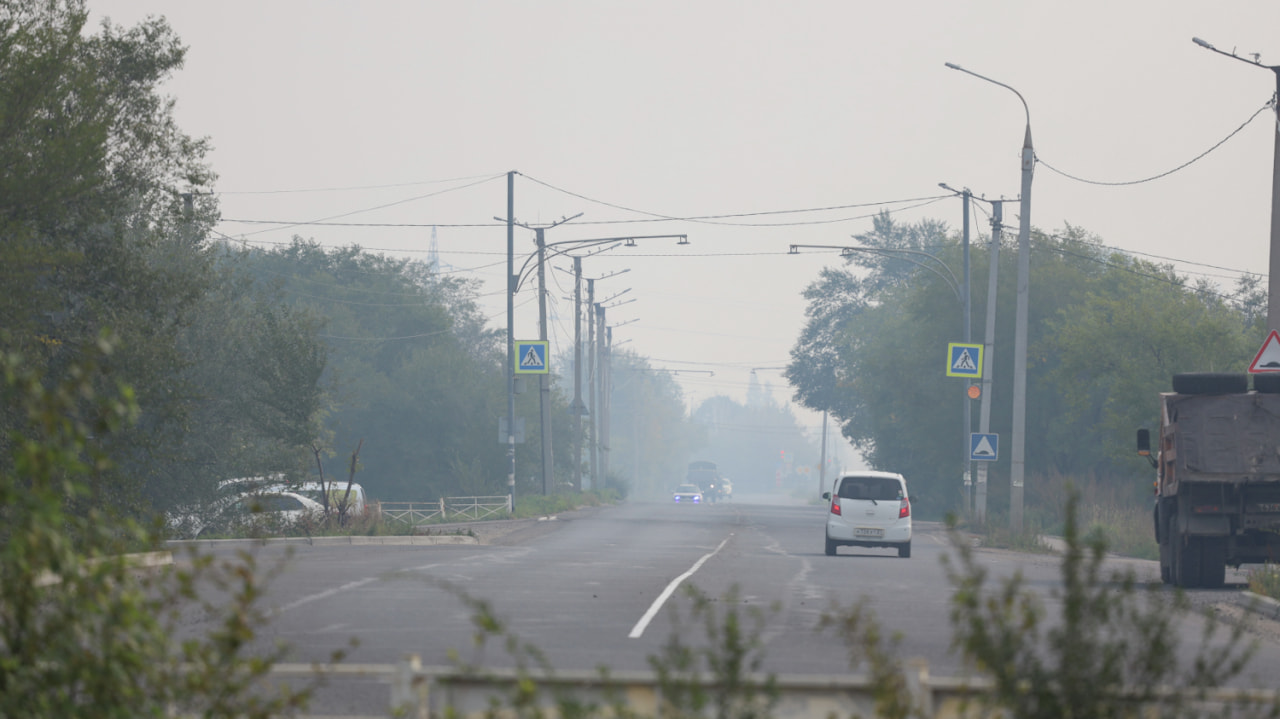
<point>1273,283</point>
<point>1017,468</point>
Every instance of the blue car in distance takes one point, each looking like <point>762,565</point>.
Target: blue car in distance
<point>688,494</point>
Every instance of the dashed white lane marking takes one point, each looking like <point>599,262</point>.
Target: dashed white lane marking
<point>640,626</point>
<point>326,594</point>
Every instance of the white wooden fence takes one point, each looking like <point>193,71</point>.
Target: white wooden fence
<point>446,508</point>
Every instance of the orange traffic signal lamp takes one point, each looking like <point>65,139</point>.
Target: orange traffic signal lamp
<point>974,391</point>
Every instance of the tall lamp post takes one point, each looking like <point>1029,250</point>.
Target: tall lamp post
<point>1273,283</point>
<point>1017,469</point>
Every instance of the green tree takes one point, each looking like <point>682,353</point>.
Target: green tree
<point>412,370</point>
<point>95,232</point>
<point>1104,333</point>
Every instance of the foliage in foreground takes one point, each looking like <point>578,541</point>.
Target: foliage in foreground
<point>1100,645</point>
<point>1112,644</point>
<point>82,632</point>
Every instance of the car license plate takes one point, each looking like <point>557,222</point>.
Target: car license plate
<point>868,532</point>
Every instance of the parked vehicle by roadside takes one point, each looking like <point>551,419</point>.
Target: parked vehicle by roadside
<point>1217,486</point>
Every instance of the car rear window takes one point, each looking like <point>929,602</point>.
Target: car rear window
<point>877,488</point>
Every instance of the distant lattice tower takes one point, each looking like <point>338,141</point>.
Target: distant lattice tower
<point>433,252</point>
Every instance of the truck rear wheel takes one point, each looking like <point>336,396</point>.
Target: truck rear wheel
<point>1186,561</point>
<point>1210,383</point>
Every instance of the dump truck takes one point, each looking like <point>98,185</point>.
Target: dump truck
<point>707,477</point>
<point>1217,487</point>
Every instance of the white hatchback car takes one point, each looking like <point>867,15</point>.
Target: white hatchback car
<point>869,509</point>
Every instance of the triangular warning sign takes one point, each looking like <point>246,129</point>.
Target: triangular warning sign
<point>534,360</point>
<point>984,448</point>
<point>964,362</point>
<point>1268,358</point>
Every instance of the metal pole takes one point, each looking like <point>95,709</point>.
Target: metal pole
<point>511,338</point>
<point>988,354</point>
<point>822,468</point>
<point>578,406</point>
<point>1273,281</point>
<point>544,380</point>
<point>606,390</point>
<point>593,408</point>
<point>1273,264</point>
<point>968,415</point>
<point>1018,461</point>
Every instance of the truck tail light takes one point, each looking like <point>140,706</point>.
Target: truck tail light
<point>904,509</point>
<point>835,506</point>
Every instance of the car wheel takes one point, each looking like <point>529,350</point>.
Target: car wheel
<point>904,550</point>
<point>831,547</point>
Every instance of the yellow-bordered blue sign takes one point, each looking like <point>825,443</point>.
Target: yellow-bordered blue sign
<point>531,357</point>
<point>964,360</point>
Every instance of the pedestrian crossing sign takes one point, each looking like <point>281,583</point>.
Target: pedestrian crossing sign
<point>964,360</point>
<point>531,357</point>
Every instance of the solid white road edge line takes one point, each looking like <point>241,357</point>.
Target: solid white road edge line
<point>640,626</point>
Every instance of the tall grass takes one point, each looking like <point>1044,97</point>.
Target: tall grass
<point>1118,512</point>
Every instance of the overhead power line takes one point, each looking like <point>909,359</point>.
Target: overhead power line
<point>358,188</point>
<point>1270,104</point>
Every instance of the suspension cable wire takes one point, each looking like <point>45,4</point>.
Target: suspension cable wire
<point>286,225</point>
<point>356,188</point>
<point>716,219</point>
<point>1270,104</point>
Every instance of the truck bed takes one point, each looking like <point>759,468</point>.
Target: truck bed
<point>1224,438</point>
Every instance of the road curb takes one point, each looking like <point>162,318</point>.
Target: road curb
<point>1261,605</point>
<point>357,541</point>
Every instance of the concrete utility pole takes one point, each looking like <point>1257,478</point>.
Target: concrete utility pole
<point>578,407</point>
<point>544,380</point>
<point>593,410</point>
<point>968,415</point>
<point>988,353</point>
<point>1017,468</point>
<point>602,364</point>
<point>1273,281</point>
<point>967,301</point>
<point>511,338</point>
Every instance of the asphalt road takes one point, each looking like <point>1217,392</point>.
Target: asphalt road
<point>598,587</point>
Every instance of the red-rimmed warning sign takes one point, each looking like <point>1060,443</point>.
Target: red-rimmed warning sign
<point>1268,358</point>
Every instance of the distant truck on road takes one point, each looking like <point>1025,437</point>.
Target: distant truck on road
<point>1217,462</point>
<point>705,475</point>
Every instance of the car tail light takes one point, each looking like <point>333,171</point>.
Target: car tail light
<point>835,506</point>
<point>904,509</point>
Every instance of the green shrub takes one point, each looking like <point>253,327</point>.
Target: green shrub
<point>1265,580</point>
<point>82,632</point>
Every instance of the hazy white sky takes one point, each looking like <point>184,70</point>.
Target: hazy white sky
<point>696,108</point>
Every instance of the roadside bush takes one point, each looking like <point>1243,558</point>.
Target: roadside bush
<point>82,632</point>
<point>1265,581</point>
